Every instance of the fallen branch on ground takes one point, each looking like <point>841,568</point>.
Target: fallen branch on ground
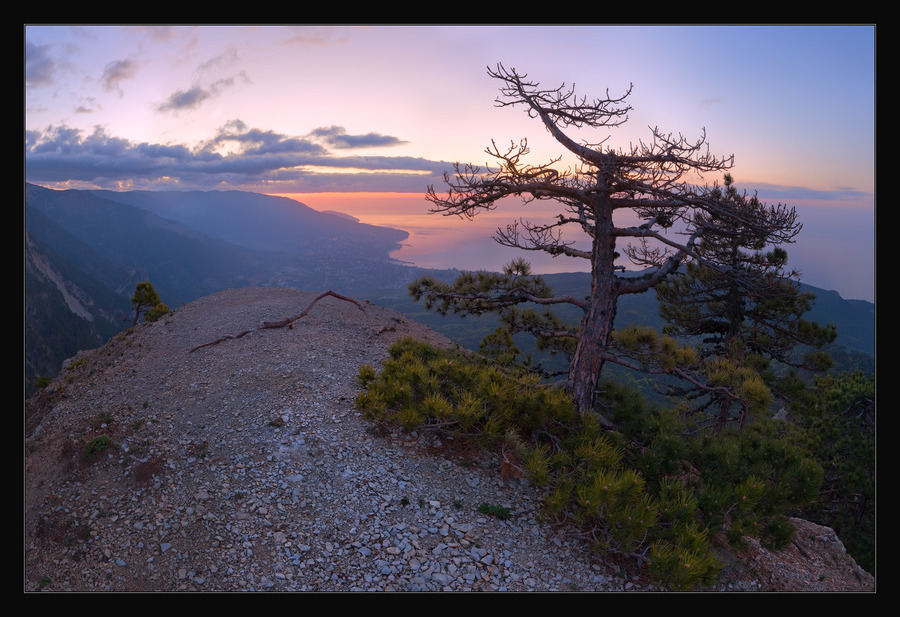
<point>268,325</point>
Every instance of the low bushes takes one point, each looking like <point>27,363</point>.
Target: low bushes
<point>656,488</point>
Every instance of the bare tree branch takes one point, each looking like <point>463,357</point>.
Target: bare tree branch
<point>287,322</point>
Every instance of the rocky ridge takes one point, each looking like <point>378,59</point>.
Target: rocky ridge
<point>244,465</point>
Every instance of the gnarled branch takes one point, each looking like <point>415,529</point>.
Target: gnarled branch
<point>268,325</point>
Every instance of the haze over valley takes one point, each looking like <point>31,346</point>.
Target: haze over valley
<point>86,251</point>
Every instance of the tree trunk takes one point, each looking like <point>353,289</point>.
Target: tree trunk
<point>588,359</point>
<point>597,324</point>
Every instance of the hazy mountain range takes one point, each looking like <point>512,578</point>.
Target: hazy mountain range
<point>86,250</point>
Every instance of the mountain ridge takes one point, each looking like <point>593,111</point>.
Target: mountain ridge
<point>259,221</point>
<point>158,462</point>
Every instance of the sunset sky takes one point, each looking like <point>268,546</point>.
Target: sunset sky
<point>361,119</point>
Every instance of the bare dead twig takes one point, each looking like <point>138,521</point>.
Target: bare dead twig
<point>268,325</point>
<point>217,341</point>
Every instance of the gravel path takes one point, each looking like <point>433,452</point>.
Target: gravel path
<point>245,466</point>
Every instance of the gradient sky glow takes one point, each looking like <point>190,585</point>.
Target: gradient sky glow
<point>362,119</point>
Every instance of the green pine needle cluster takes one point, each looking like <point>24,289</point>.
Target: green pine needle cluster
<point>424,387</point>
<point>657,488</point>
<point>838,418</point>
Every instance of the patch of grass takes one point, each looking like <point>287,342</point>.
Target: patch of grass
<point>75,364</point>
<point>500,512</point>
<point>96,445</point>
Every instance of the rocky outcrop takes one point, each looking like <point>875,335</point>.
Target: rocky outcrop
<point>161,463</point>
<point>816,560</point>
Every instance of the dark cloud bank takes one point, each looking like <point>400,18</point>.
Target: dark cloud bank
<point>244,158</point>
<point>237,157</point>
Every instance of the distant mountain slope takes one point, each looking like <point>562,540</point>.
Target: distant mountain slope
<point>182,263</point>
<point>263,222</point>
<point>66,310</point>
<point>42,230</point>
<point>855,318</point>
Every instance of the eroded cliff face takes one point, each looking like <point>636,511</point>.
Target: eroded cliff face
<point>40,267</point>
<point>160,463</point>
<point>62,315</point>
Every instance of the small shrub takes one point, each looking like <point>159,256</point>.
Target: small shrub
<point>777,534</point>
<point>74,364</point>
<point>367,374</point>
<point>680,568</point>
<point>155,312</point>
<point>96,445</point>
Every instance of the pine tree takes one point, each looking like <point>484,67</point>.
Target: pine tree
<point>145,301</point>
<point>652,180</point>
<point>739,302</point>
